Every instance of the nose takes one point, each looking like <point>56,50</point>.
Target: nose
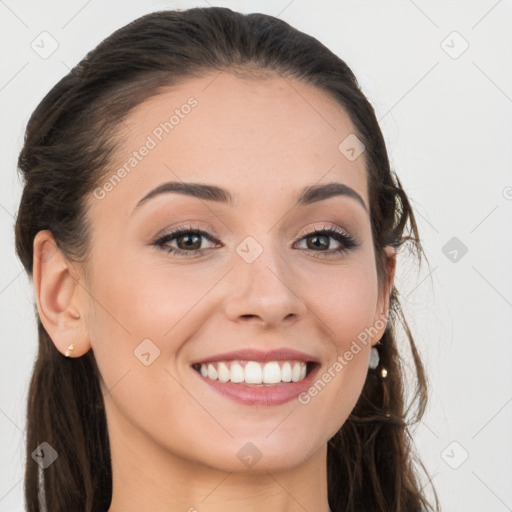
<point>264,291</point>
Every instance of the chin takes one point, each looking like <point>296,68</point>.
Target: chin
<point>246,454</point>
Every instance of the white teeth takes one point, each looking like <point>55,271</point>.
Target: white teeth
<point>237,373</point>
<point>271,373</point>
<point>212,372</point>
<point>295,373</point>
<point>255,373</point>
<point>223,372</point>
<point>286,372</point>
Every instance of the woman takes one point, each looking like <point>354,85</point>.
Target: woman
<point>211,224</point>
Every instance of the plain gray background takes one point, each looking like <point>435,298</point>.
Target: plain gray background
<point>439,77</point>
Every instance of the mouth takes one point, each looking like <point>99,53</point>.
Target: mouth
<point>258,383</point>
<point>256,373</point>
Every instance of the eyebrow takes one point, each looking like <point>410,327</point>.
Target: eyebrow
<point>316,193</point>
<point>307,195</point>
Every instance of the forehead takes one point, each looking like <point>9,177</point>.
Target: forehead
<point>253,134</point>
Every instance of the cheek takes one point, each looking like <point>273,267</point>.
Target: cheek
<point>344,301</point>
<point>143,306</point>
<point>344,298</point>
<point>146,297</point>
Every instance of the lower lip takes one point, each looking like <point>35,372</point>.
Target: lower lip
<point>264,395</point>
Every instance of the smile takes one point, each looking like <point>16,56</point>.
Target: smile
<point>254,372</point>
<point>252,376</point>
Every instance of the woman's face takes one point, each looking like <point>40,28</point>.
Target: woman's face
<point>257,279</point>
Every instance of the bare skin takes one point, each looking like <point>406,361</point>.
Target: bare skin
<point>175,442</point>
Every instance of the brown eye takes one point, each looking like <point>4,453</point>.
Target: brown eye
<point>320,241</point>
<point>184,242</point>
<point>189,242</point>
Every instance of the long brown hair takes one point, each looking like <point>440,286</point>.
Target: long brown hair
<point>68,146</point>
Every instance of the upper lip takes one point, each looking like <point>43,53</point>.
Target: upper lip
<point>279,354</point>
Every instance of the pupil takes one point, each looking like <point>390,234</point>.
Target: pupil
<point>190,244</point>
<point>324,244</point>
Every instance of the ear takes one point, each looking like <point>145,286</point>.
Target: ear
<point>382,310</point>
<point>57,295</point>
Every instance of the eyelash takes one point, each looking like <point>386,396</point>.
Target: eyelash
<point>338,234</point>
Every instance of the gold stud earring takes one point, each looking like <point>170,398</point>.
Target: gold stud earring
<point>70,349</point>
